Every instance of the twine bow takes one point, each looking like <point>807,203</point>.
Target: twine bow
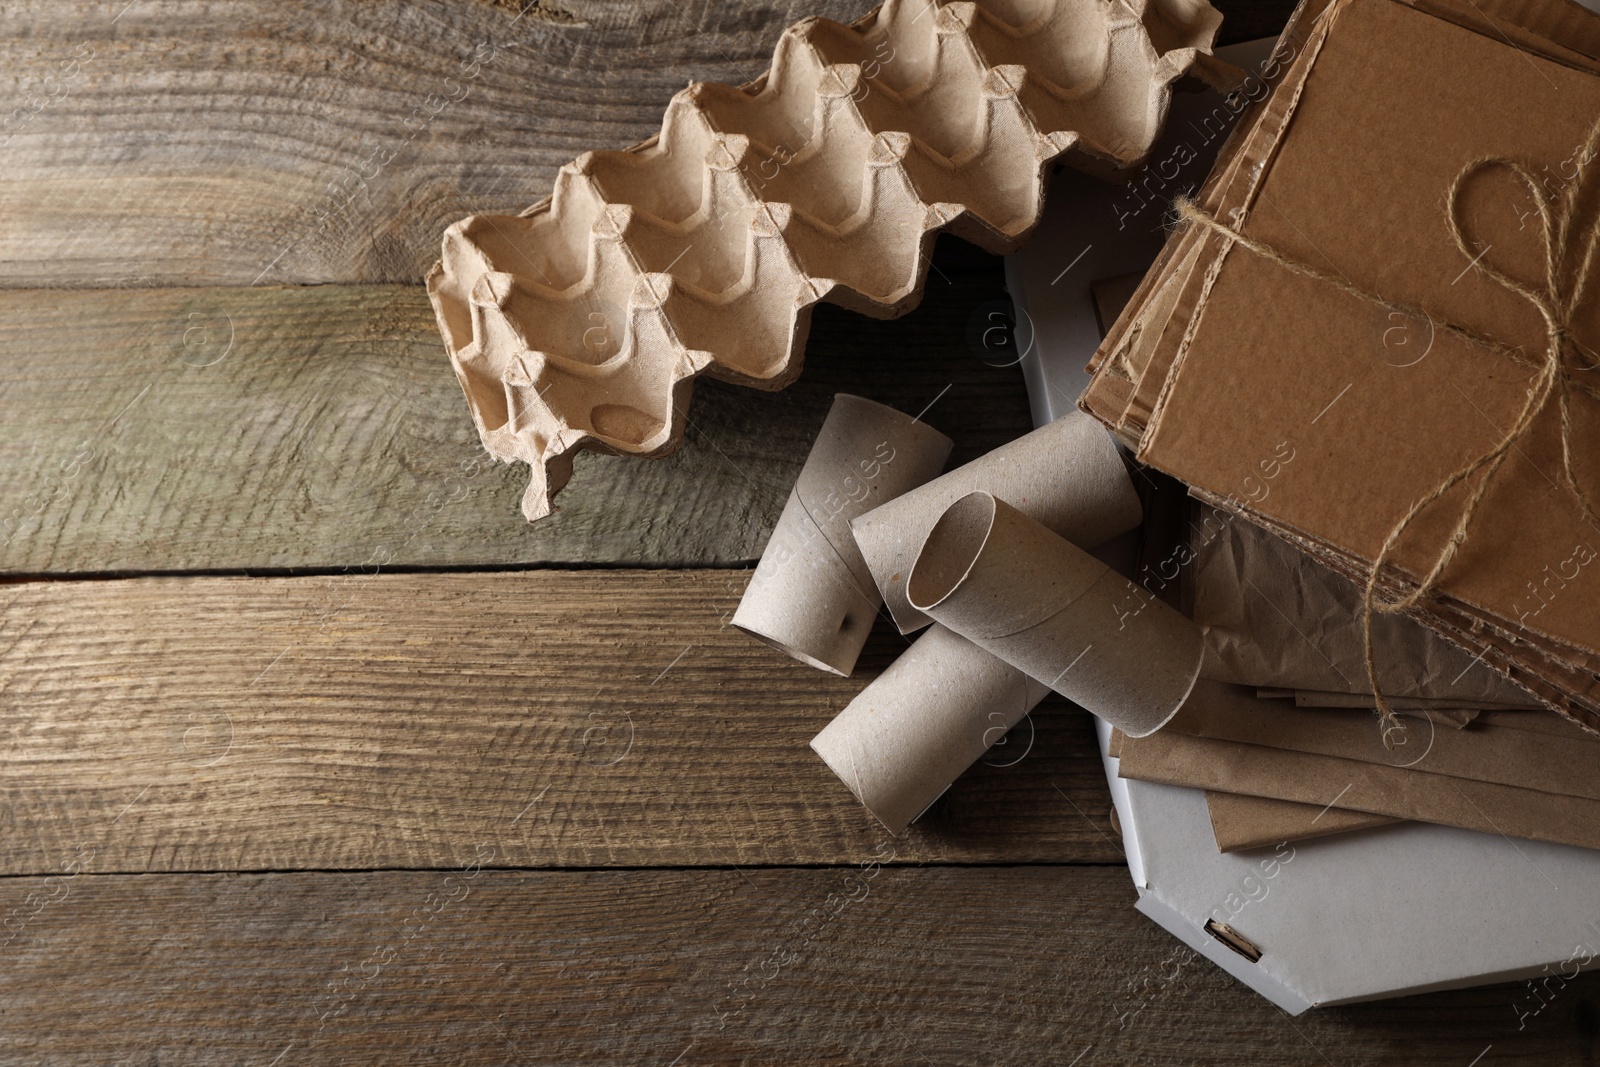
<point>1562,368</point>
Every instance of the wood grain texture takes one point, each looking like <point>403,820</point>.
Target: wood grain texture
<point>239,142</point>
<point>174,156</point>
<point>294,141</point>
<point>321,426</point>
<point>862,966</point>
<point>602,718</point>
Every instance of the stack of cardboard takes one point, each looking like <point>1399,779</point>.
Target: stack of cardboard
<point>1459,809</point>
<point>1323,355</point>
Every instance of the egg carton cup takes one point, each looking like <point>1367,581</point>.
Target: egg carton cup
<point>582,322</point>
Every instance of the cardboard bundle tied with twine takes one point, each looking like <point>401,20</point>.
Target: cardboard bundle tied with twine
<point>1375,331</point>
<point>582,322</point>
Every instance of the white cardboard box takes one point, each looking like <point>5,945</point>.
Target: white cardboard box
<point>1377,913</point>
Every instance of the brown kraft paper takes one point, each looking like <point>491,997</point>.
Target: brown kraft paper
<point>1239,822</point>
<point>1274,616</point>
<point>1173,758</point>
<point>1492,749</point>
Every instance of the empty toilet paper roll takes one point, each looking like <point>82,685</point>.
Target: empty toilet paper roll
<point>1031,597</point>
<point>909,734</point>
<point>811,595</point>
<point>1066,475</point>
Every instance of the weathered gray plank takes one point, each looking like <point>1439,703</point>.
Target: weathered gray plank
<point>600,718</point>
<point>304,141</point>
<point>321,426</point>
<point>858,965</point>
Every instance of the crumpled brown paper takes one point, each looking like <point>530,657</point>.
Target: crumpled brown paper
<point>1275,617</point>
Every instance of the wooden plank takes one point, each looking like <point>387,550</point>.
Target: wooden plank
<point>321,426</point>
<point>599,718</point>
<point>298,141</point>
<point>859,965</point>
<point>293,141</point>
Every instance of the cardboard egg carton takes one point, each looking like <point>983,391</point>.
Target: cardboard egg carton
<point>583,322</point>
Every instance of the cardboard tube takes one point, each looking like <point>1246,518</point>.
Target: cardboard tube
<point>1031,597</point>
<point>1066,475</point>
<point>811,596</point>
<point>901,742</point>
<point>1309,698</point>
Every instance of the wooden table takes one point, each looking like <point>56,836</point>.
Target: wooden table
<point>314,752</point>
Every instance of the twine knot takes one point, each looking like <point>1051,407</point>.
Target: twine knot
<point>1561,369</point>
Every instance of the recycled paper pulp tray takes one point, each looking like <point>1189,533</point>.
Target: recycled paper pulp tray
<point>582,322</point>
